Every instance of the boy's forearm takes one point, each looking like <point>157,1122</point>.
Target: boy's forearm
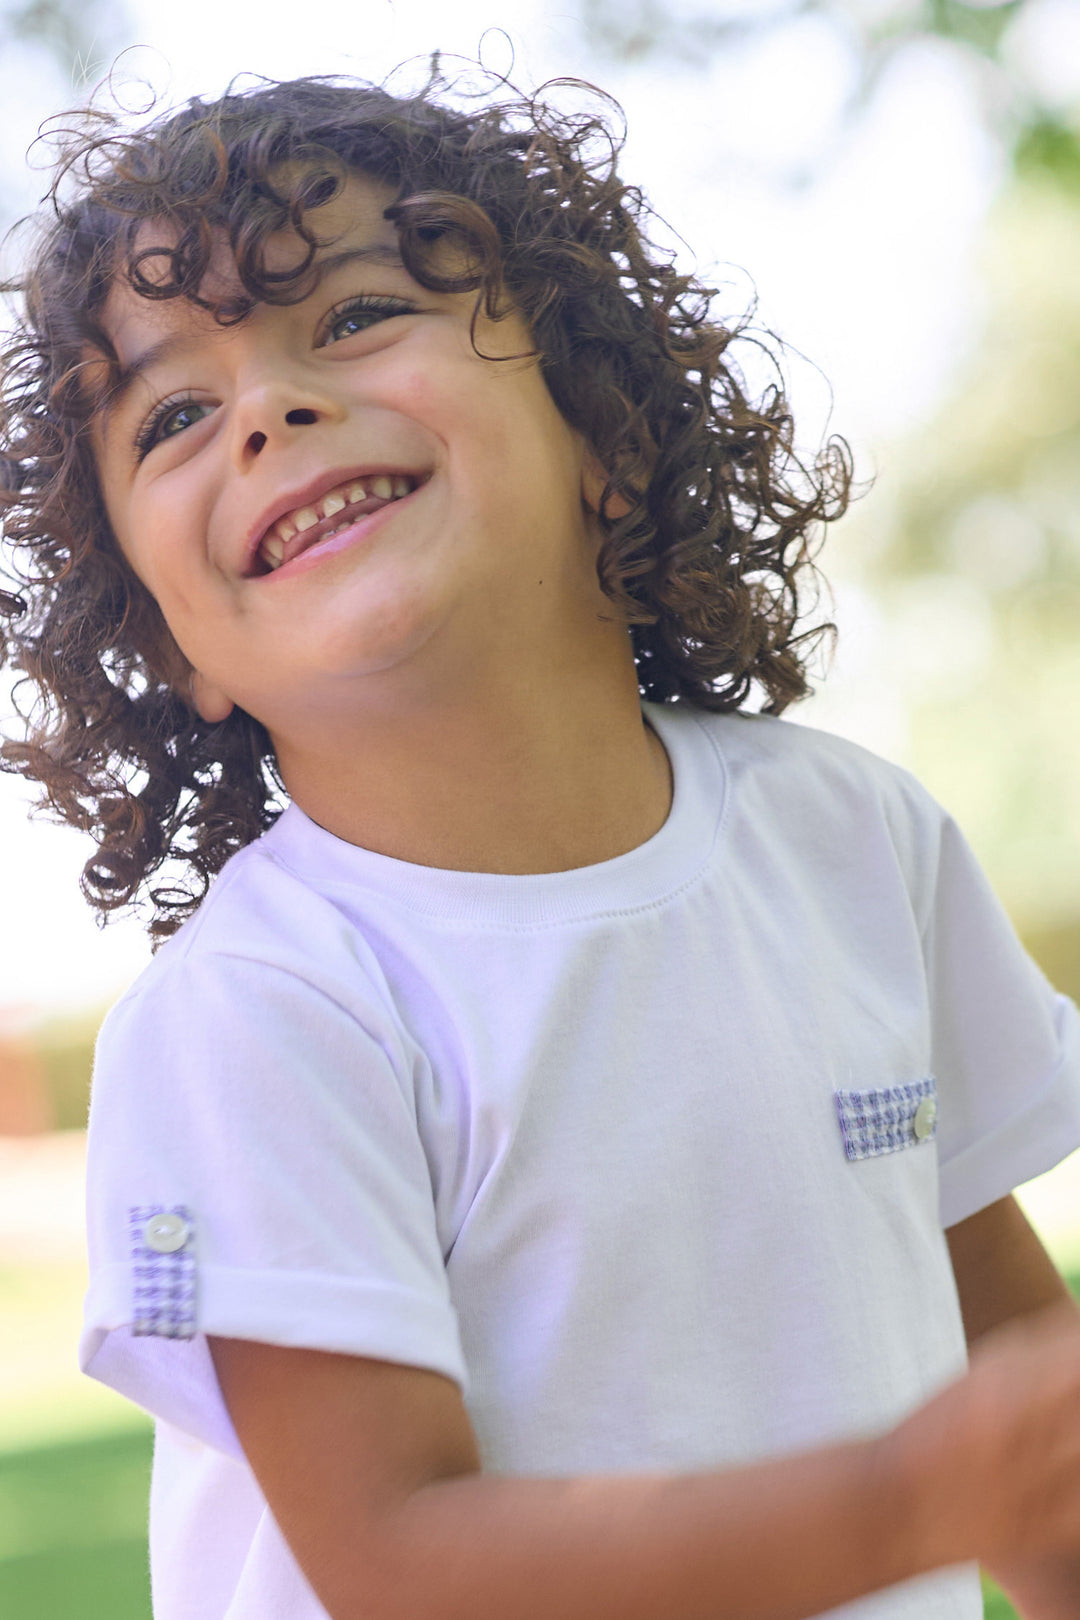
<point>776,1541</point>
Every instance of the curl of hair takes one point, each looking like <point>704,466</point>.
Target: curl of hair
<point>707,566</point>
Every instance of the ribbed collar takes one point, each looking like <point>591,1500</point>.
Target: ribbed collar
<point>657,869</point>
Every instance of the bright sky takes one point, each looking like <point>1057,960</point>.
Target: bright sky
<point>867,268</point>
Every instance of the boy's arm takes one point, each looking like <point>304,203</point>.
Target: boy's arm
<point>1003,1272</point>
<point>372,1472</point>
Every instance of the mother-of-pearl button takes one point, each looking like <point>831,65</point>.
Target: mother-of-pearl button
<point>165,1233</point>
<point>925,1115</point>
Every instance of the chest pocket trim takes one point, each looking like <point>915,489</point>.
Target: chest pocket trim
<point>887,1119</point>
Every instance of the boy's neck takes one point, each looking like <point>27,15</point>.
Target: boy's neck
<point>521,788</point>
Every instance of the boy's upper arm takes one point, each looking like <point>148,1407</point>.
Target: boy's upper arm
<point>281,1123</point>
<point>1001,1268</point>
<point>336,1443</point>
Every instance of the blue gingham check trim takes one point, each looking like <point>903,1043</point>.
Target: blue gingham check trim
<point>164,1284</point>
<point>883,1121</point>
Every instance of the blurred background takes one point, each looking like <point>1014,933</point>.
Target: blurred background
<point>897,184</point>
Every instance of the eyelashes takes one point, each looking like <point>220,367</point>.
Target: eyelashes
<point>376,304</point>
<point>363,311</point>
<point>148,435</point>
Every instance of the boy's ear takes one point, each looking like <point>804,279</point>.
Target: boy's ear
<point>210,701</point>
<point>593,479</point>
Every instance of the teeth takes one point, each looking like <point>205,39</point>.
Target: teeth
<point>385,487</point>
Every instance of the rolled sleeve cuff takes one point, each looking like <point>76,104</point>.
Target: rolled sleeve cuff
<point>1025,1145</point>
<point>175,1379</point>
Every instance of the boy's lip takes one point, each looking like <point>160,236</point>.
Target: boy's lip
<point>314,490</point>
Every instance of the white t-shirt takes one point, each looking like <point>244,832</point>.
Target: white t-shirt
<point>652,1157</point>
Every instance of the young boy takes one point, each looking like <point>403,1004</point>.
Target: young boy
<point>554,1169</point>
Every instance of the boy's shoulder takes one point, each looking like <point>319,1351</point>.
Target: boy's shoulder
<point>265,920</point>
<point>767,748</point>
<point>825,797</point>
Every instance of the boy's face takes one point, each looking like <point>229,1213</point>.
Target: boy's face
<point>235,447</point>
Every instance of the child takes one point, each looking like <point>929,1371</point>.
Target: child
<point>552,1170</point>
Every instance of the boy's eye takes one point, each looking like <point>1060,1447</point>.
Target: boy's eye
<point>357,314</point>
<point>171,417</point>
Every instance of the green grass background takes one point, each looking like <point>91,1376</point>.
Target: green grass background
<point>73,1528</point>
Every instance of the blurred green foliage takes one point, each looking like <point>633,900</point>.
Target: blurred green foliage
<point>1047,146</point>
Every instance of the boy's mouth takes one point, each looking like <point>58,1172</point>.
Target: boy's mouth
<point>338,507</point>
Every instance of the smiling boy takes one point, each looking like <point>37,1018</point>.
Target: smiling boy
<point>453,649</point>
<point>557,1168</point>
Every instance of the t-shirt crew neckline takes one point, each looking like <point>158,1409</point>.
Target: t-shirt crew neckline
<point>667,862</point>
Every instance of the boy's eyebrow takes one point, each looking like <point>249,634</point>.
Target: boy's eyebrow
<point>164,349</point>
<point>375,252</point>
<point>167,347</point>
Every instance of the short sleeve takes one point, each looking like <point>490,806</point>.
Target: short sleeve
<point>267,1133</point>
<point>1005,1045</point>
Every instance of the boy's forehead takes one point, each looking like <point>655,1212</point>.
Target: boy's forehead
<point>351,220</point>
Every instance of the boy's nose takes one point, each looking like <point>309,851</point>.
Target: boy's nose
<point>274,411</point>
<point>303,416</point>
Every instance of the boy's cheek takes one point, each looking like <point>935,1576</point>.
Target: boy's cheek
<point>427,395</point>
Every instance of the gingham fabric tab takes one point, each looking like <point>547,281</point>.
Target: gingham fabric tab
<point>888,1119</point>
<point>163,1270</point>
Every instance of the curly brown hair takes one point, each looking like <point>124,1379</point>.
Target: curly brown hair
<point>708,565</point>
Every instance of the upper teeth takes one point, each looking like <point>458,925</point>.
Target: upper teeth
<point>384,486</point>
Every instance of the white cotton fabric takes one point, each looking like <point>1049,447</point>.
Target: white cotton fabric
<point>571,1139</point>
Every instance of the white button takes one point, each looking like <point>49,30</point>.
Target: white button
<point>925,1115</point>
<point>165,1233</point>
